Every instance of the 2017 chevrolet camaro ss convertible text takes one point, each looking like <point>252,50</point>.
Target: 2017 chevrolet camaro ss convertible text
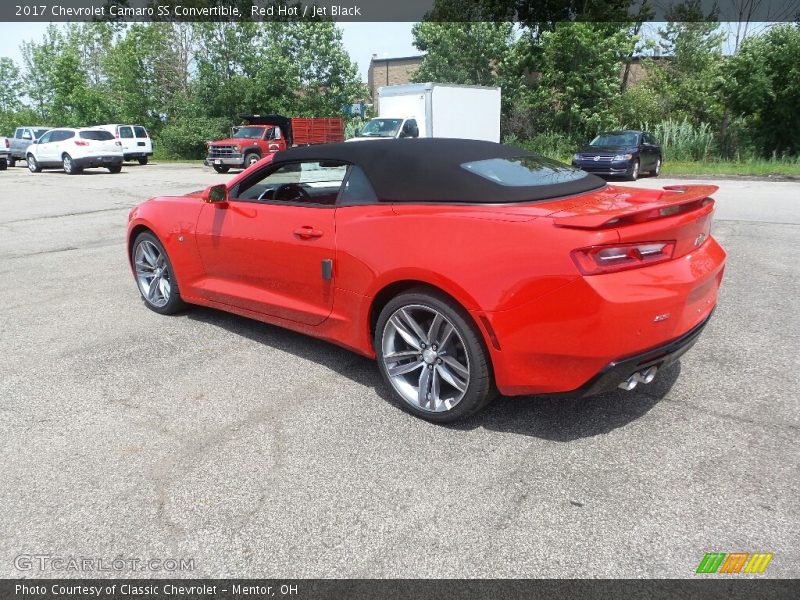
<point>464,267</point>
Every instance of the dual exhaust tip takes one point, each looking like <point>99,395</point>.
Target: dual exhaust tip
<point>644,376</point>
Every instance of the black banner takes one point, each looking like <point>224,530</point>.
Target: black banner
<point>731,588</point>
<point>525,11</point>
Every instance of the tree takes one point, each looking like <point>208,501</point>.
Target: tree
<point>9,85</point>
<point>763,87</point>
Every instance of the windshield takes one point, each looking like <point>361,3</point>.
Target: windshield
<point>249,133</point>
<point>616,139</point>
<point>524,171</point>
<point>381,128</point>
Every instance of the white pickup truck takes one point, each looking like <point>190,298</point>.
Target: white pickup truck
<point>5,153</point>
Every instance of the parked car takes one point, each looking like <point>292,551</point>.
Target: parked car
<point>265,135</point>
<point>136,142</point>
<point>5,153</point>
<point>23,138</point>
<point>75,150</point>
<point>463,266</point>
<point>621,153</point>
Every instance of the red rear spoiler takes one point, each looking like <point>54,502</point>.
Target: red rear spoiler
<point>632,210</point>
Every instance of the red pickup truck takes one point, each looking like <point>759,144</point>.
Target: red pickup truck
<point>269,134</point>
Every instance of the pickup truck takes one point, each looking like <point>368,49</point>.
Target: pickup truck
<point>5,153</point>
<point>24,137</point>
<point>269,134</point>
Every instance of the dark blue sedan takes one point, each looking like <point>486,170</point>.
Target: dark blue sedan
<point>620,153</point>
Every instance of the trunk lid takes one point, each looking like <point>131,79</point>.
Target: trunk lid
<point>681,213</point>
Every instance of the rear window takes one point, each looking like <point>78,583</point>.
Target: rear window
<point>140,132</point>
<point>125,132</point>
<point>96,134</point>
<point>524,171</point>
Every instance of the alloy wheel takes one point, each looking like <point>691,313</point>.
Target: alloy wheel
<point>152,273</point>
<point>425,358</point>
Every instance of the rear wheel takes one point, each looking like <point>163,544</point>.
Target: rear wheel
<point>33,166</point>
<point>142,160</point>
<point>12,162</point>
<point>222,169</point>
<point>432,356</point>
<point>657,169</point>
<point>115,169</point>
<point>155,276</point>
<point>69,165</point>
<point>3,164</point>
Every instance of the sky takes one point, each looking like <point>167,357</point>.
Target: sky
<point>361,40</point>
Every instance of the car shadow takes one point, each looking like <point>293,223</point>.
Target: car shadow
<point>547,417</point>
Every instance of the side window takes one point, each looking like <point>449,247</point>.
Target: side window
<point>316,183</point>
<point>46,137</point>
<point>125,132</point>
<point>58,136</point>
<point>357,189</point>
<point>67,135</point>
<point>18,133</point>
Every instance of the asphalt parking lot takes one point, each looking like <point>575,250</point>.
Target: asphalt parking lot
<point>260,452</point>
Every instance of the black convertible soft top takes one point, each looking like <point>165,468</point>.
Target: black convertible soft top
<point>431,170</point>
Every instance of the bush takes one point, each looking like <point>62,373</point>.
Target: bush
<point>557,146</point>
<point>682,140</point>
<point>187,137</point>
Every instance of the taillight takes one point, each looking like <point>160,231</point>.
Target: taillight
<point>595,260</point>
<point>8,144</point>
<point>81,143</point>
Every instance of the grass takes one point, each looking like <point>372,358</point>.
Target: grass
<point>751,168</point>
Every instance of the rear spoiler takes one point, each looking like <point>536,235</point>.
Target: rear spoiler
<point>674,197</point>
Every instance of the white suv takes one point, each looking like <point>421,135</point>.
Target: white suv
<point>136,143</point>
<point>75,150</point>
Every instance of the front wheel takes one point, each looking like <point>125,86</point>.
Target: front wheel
<point>633,174</point>
<point>251,159</point>
<point>155,276</point>
<point>33,166</point>
<point>432,356</point>
<point>221,169</point>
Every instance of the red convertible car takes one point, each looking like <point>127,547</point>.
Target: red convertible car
<point>464,267</point>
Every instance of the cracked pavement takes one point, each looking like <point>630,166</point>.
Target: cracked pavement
<point>263,453</point>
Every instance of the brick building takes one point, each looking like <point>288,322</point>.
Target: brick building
<point>390,71</point>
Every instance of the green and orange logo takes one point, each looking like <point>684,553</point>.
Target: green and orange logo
<point>737,562</point>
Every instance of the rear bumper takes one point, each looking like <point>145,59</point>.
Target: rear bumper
<point>88,162</point>
<point>143,154</point>
<point>584,336</point>
<point>619,370</point>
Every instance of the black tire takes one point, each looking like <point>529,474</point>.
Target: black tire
<point>221,169</point>
<point>175,303</point>
<point>33,166</point>
<point>633,174</point>
<point>3,164</point>
<point>69,165</point>
<point>251,158</point>
<point>12,162</point>
<point>115,169</point>
<point>142,160</point>
<point>656,171</point>
<point>480,390</point>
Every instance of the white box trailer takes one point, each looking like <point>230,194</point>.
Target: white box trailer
<point>436,110</point>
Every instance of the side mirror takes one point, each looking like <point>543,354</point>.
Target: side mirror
<point>216,194</point>
<point>357,132</point>
<point>415,132</point>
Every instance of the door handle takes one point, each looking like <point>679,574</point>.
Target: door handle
<point>306,233</point>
